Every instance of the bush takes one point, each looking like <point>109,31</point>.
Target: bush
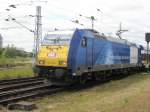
<point>13,52</point>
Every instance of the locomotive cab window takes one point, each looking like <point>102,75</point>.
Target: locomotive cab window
<point>84,42</point>
<point>58,38</point>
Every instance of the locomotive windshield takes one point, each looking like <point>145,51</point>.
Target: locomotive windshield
<point>57,39</point>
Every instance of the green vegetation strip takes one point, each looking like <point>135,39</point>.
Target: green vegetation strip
<point>6,62</point>
<point>25,71</point>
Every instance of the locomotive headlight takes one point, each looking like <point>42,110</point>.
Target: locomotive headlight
<point>62,62</point>
<point>41,62</point>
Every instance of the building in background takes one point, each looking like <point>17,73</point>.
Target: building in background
<point>1,41</point>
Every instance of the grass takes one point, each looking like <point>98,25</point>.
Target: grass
<point>14,61</point>
<point>123,95</point>
<point>19,72</point>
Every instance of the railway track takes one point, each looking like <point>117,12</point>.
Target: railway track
<point>21,89</point>
<point>20,80</point>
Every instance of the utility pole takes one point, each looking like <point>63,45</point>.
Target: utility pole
<point>92,18</point>
<point>120,31</point>
<point>38,31</point>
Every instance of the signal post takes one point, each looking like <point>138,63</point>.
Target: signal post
<point>147,39</point>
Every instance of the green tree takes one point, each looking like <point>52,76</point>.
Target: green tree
<point>13,52</point>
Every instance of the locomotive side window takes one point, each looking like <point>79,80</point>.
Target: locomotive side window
<point>84,42</point>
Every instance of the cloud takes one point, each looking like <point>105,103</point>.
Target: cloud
<point>134,16</point>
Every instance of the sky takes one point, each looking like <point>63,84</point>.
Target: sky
<point>133,14</point>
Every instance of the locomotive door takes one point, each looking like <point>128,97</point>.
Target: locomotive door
<point>89,54</point>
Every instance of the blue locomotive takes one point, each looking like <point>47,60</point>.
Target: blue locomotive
<point>85,53</point>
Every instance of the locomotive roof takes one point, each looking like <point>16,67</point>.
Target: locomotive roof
<point>96,34</point>
<point>59,32</point>
<point>117,40</point>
